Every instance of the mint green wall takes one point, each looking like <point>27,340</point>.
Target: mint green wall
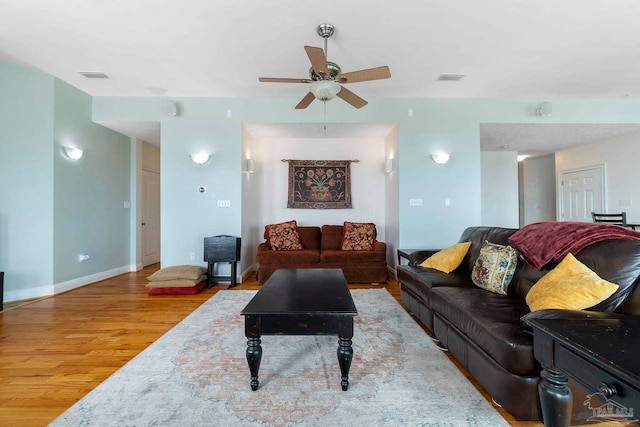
<point>52,209</point>
<point>40,114</point>
<point>26,182</point>
<point>89,213</point>
<point>449,125</point>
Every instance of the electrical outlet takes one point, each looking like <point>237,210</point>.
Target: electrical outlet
<point>83,257</point>
<point>224,203</point>
<point>192,256</point>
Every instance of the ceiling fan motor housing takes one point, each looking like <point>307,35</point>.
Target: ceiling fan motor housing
<point>334,70</point>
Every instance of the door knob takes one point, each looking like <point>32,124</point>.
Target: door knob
<point>144,223</point>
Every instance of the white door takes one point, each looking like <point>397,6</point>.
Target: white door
<point>582,192</point>
<point>150,218</point>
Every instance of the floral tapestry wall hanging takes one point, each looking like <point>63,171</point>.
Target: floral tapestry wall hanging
<point>319,184</point>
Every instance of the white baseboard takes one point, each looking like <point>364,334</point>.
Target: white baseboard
<point>25,294</point>
<point>248,271</point>
<point>81,281</point>
<point>135,267</point>
<point>392,271</point>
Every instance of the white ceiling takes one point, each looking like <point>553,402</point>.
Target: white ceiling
<point>541,139</point>
<point>547,49</point>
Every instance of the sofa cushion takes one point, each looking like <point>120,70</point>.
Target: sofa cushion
<point>570,286</point>
<point>616,261</point>
<point>420,280</point>
<point>284,236</point>
<point>358,236</point>
<point>492,322</point>
<point>331,237</point>
<point>349,257</point>
<point>494,267</point>
<point>292,259</point>
<point>447,259</point>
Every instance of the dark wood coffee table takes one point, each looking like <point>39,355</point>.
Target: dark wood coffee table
<point>301,302</point>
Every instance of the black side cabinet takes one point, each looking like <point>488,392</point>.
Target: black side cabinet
<point>221,249</point>
<point>1,289</point>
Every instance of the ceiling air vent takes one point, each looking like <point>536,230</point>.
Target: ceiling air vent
<point>94,75</point>
<point>451,77</point>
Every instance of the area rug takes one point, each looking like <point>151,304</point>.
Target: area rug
<point>197,375</point>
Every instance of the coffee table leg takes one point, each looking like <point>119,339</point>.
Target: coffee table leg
<point>254,356</point>
<point>345,355</point>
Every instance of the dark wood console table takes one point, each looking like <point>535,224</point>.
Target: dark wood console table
<point>599,354</point>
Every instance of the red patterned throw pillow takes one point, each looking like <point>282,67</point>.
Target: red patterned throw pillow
<point>284,236</point>
<point>358,236</point>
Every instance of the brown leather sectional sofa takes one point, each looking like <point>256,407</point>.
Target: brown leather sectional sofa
<point>484,330</point>
<point>322,250</point>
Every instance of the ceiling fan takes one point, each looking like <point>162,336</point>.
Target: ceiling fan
<point>327,78</point>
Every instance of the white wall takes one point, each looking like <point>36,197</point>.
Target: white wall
<point>392,198</point>
<point>252,226</point>
<point>620,156</point>
<point>499,183</point>
<point>367,180</point>
<point>538,190</point>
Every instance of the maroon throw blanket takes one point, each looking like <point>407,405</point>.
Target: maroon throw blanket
<point>542,242</point>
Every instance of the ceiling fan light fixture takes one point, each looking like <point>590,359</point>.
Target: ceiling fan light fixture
<point>325,90</point>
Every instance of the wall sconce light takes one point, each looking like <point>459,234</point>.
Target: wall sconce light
<point>388,165</point>
<point>251,165</point>
<point>544,110</point>
<point>73,153</point>
<point>201,158</point>
<point>441,158</point>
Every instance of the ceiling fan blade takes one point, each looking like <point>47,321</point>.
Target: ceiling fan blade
<point>351,98</point>
<point>308,99</point>
<point>365,75</point>
<point>318,60</point>
<point>283,80</point>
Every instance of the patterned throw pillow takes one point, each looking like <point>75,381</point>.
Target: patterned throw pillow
<point>284,236</point>
<point>494,267</point>
<point>358,236</point>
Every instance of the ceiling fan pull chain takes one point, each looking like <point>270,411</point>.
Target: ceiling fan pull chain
<point>324,106</point>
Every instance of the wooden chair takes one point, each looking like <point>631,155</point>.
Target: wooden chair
<point>615,219</point>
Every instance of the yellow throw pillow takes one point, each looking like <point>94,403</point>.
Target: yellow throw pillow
<point>569,286</point>
<point>447,259</point>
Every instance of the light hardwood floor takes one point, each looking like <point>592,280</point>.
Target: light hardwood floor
<point>55,350</point>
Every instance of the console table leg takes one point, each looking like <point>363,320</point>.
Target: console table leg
<point>254,356</point>
<point>345,355</point>
<point>555,398</point>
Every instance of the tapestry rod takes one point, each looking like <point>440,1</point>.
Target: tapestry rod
<point>351,161</point>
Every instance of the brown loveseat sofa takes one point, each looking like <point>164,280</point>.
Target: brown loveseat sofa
<point>484,330</point>
<point>322,250</point>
